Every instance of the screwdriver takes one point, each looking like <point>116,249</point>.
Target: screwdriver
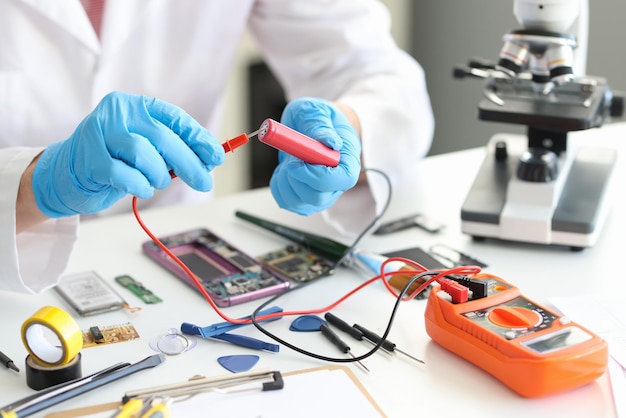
<point>338,342</point>
<point>7,362</point>
<point>156,410</point>
<point>130,409</point>
<point>387,345</point>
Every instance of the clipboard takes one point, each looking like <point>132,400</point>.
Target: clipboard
<point>373,406</point>
<point>313,384</point>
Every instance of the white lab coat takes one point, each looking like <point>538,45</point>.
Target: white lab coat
<point>54,70</point>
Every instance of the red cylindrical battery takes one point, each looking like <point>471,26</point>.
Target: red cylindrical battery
<point>294,143</point>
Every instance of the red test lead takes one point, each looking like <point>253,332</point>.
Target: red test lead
<point>230,145</point>
<point>234,143</point>
<point>457,291</point>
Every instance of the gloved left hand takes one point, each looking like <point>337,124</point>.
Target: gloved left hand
<point>308,188</point>
<point>127,145</point>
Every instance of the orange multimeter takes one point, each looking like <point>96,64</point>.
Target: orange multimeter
<point>529,348</point>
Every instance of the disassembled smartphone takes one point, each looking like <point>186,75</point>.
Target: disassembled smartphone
<point>226,273</point>
<point>89,294</point>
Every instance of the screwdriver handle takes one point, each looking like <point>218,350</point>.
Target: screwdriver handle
<point>343,326</point>
<point>375,338</point>
<point>334,338</point>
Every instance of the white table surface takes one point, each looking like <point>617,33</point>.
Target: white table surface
<point>445,386</point>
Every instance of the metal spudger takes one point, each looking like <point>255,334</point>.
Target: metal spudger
<point>418,220</point>
<point>77,387</point>
<point>338,342</point>
<point>387,345</point>
<point>397,225</point>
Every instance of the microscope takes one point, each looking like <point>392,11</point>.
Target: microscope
<point>535,188</point>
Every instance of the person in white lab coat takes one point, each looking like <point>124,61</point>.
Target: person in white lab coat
<point>55,71</point>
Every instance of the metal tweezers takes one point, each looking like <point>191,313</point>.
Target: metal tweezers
<point>270,380</point>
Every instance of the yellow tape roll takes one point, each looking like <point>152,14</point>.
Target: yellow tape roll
<point>36,333</point>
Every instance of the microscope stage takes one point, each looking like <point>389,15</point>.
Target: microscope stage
<point>573,106</point>
<point>569,210</point>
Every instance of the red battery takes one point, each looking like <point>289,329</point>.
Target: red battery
<point>294,143</point>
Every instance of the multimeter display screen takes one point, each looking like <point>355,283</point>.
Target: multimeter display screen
<point>557,340</point>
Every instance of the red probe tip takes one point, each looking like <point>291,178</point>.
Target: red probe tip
<point>229,146</point>
<point>234,143</point>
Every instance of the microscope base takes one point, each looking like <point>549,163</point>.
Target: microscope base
<point>577,211</point>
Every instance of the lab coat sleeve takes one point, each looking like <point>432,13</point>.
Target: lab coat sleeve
<point>343,50</point>
<point>34,260</point>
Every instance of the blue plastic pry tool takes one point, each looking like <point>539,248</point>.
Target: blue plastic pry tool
<point>238,363</point>
<point>222,327</point>
<point>249,342</point>
<point>307,323</point>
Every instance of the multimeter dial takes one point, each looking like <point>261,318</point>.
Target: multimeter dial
<point>514,318</point>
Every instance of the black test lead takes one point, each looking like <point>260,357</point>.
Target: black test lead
<point>338,342</point>
<point>347,328</point>
<point>387,345</point>
<point>358,332</point>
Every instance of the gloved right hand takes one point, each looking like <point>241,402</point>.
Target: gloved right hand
<point>127,145</point>
<point>308,188</point>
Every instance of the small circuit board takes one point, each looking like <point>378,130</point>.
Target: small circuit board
<point>297,264</point>
<point>96,336</point>
<point>138,289</point>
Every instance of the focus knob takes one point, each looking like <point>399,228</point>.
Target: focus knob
<point>538,165</point>
<point>501,152</point>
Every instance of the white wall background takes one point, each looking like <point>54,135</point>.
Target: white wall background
<point>442,34</point>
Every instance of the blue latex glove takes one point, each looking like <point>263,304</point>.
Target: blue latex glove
<point>127,145</point>
<point>308,188</point>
